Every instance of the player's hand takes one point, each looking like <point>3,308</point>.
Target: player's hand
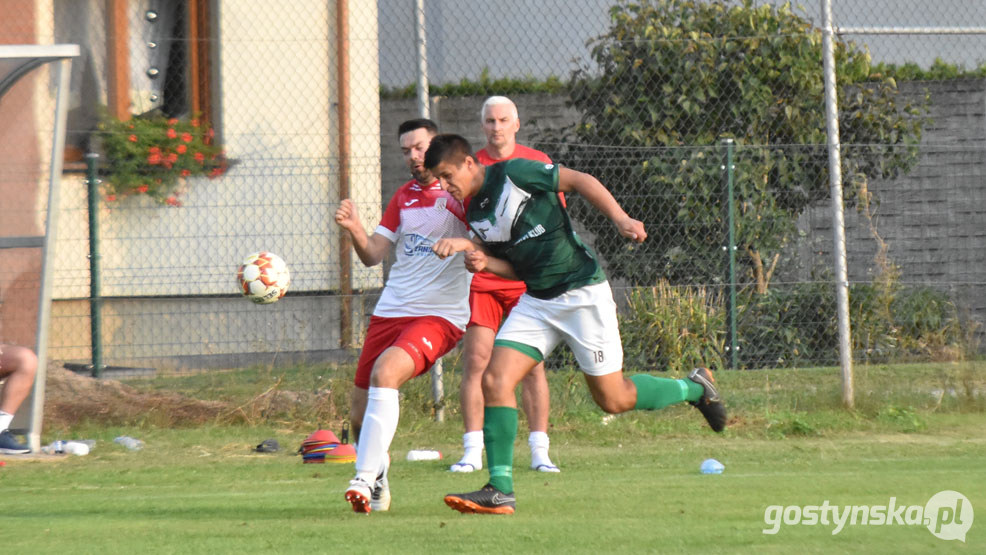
<point>347,216</point>
<point>445,248</point>
<point>632,229</point>
<point>476,261</point>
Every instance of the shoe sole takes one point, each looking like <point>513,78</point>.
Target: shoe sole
<point>468,507</point>
<point>359,502</point>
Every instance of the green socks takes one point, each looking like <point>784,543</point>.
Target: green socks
<point>655,393</point>
<point>499,433</point>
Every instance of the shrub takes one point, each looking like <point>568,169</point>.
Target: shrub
<point>673,328</point>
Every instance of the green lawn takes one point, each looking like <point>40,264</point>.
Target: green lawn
<point>630,484</point>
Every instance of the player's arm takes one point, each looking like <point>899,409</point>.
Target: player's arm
<point>448,246</point>
<point>593,191</point>
<point>479,260</point>
<point>371,249</point>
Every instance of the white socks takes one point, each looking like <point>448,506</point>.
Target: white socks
<point>472,459</point>
<point>6,418</point>
<point>379,425</point>
<point>538,441</point>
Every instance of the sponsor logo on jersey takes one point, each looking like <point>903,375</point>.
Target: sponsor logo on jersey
<point>548,166</point>
<point>410,202</point>
<point>481,228</point>
<point>417,245</point>
<point>485,202</point>
<point>440,203</point>
<point>538,230</point>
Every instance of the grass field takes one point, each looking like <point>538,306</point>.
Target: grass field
<point>630,484</point>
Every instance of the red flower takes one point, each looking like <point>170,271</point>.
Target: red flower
<point>195,122</point>
<point>142,189</point>
<point>172,133</point>
<point>216,172</point>
<point>173,121</point>
<point>172,157</point>
<point>172,201</point>
<point>132,138</point>
<point>185,173</point>
<point>154,158</point>
<point>154,150</point>
<point>199,157</point>
<point>187,137</point>
<point>111,198</point>
<point>181,149</point>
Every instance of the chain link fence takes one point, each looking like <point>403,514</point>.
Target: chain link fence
<point>704,119</point>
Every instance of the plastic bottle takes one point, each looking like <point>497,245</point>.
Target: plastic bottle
<point>712,466</point>
<point>129,442</point>
<point>423,455</point>
<point>75,448</point>
<point>55,447</point>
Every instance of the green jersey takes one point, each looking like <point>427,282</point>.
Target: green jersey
<point>518,216</point>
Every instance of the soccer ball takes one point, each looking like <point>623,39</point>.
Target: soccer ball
<point>263,277</point>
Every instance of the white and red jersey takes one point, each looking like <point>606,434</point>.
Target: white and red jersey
<point>420,283</point>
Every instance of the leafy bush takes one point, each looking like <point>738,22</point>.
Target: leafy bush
<point>671,80</point>
<point>797,326</point>
<point>928,323</point>
<point>673,328</point>
<point>153,156</point>
<point>788,326</point>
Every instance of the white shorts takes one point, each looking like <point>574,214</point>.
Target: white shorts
<point>585,318</point>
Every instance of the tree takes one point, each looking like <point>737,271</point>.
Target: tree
<point>675,78</point>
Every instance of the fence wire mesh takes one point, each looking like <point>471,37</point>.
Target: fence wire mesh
<point>705,120</point>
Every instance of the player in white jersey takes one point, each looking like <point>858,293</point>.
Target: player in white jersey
<point>420,316</point>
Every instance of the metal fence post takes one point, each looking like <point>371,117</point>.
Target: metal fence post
<point>438,390</point>
<point>838,216</point>
<point>95,295</point>
<point>731,248</point>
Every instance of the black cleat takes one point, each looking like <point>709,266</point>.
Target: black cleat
<point>488,500</point>
<point>710,405</point>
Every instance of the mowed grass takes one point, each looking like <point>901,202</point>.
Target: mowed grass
<point>630,484</point>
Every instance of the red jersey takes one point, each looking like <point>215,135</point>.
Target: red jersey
<point>485,281</point>
<point>420,283</point>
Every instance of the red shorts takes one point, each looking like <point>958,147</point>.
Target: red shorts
<point>489,308</point>
<point>425,338</point>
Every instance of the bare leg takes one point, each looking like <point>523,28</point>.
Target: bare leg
<point>19,365</point>
<point>612,392</point>
<point>478,343</point>
<point>536,400</point>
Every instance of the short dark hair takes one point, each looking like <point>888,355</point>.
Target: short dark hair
<point>447,147</point>
<point>419,123</point>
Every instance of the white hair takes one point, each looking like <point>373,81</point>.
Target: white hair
<point>495,101</point>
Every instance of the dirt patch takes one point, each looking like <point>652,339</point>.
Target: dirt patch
<point>71,399</point>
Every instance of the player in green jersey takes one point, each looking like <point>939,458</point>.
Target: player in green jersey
<point>521,232</point>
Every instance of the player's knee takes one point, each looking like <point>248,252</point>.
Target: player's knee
<point>475,363</point>
<point>25,363</point>
<point>494,383</point>
<point>614,405</point>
